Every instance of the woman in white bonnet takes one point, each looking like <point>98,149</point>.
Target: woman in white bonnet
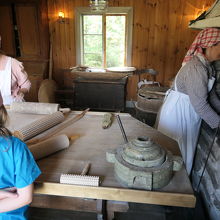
<point>192,97</point>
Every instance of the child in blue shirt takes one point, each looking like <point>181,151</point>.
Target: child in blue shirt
<point>18,170</point>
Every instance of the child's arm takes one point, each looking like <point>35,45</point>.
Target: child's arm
<point>24,197</point>
<point>8,193</point>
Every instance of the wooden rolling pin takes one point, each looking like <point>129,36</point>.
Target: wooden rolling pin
<point>49,146</point>
<point>36,108</point>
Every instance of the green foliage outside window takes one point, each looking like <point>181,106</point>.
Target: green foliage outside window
<point>93,40</point>
<point>115,40</point>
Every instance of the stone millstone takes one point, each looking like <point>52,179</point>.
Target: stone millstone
<point>143,164</point>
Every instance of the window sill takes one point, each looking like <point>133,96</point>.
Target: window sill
<point>102,75</point>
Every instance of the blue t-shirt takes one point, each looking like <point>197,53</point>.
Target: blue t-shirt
<point>17,169</point>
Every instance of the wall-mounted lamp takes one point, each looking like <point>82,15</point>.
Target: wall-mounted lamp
<point>61,17</point>
<point>199,14</point>
<point>200,11</point>
<point>61,14</point>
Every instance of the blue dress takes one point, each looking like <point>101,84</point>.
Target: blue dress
<point>17,169</point>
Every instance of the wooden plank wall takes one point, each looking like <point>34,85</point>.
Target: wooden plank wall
<point>160,36</point>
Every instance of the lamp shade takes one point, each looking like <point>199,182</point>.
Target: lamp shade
<point>98,5</point>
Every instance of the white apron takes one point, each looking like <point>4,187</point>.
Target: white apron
<point>5,83</point>
<point>179,121</point>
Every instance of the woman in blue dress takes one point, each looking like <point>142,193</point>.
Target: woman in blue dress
<point>18,170</point>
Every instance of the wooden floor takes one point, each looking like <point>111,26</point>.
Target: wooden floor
<point>135,212</point>
<point>54,214</point>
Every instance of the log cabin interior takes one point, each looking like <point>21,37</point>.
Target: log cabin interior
<point>57,41</point>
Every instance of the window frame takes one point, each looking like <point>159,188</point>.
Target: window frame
<point>127,11</point>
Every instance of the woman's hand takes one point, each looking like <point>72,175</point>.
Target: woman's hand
<point>19,97</point>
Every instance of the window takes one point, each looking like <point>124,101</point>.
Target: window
<point>104,40</point>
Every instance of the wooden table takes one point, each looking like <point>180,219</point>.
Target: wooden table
<point>91,146</point>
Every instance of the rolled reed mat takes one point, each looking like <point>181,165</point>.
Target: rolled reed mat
<point>39,126</point>
<point>34,107</point>
<point>49,146</point>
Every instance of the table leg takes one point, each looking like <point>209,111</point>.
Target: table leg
<point>115,206</point>
<point>101,209</point>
